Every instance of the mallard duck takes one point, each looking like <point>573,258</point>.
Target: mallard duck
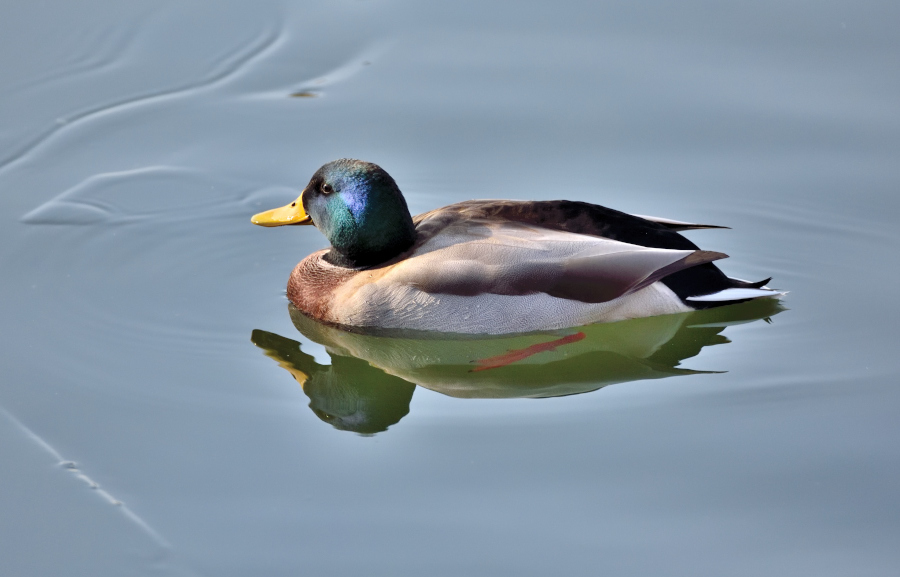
<point>490,266</point>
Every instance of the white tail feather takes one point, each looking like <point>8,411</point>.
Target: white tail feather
<point>737,294</point>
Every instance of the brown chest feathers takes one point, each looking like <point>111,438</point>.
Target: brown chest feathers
<point>312,285</point>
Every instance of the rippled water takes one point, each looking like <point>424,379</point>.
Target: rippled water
<point>162,414</point>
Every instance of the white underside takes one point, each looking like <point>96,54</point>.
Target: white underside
<point>408,308</point>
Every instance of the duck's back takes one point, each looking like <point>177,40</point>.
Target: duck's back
<point>562,215</point>
<point>599,221</point>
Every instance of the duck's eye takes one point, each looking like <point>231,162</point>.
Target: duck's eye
<point>326,188</point>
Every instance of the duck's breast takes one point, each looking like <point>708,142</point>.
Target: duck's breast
<point>314,285</point>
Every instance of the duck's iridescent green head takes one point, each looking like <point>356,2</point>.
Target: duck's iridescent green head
<point>357,206</point>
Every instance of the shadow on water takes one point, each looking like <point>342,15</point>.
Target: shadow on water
<point>371,379</point>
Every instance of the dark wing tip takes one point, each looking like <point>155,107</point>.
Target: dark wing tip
<point>700,226</point>
<point>702,257</point>
<point>747,284</point>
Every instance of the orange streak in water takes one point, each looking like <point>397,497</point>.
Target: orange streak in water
<point>519,354</point>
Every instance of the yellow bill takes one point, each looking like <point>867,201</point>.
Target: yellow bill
<point>290,214</point>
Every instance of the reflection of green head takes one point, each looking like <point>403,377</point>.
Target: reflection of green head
<point>351,396</point>
<point>348,394</point>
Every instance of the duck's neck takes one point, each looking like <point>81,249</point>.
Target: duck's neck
<point>367,259</point>
<point>374,247</point>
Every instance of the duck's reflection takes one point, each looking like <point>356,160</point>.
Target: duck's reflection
<point>371,379</point>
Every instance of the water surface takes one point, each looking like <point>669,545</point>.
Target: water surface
<point>150,425</point>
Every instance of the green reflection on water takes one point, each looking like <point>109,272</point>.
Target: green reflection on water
<point>371,378</point>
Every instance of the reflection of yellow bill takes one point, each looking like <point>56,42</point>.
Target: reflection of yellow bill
<point>298,374</point>
<point>285,352</point>
<point>290,214</point>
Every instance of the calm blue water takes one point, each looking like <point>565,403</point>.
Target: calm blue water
<point>150,426</point>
